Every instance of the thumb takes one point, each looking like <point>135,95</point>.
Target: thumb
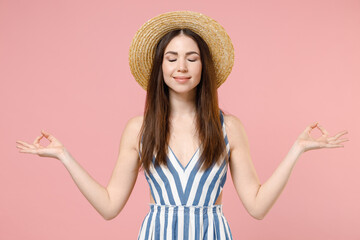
<point>48,135</point>
<point>310,127</point>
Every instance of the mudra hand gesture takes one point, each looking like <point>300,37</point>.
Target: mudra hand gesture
<point>53,150</point>
<point>306,142</point>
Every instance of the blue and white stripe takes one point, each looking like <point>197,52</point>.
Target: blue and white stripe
<point>185,200</point>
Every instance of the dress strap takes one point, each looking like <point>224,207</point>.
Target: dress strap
<point>221,117</point>
<point>224,132</point>
<point>141,143</point>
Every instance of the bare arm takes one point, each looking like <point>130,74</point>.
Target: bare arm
<point>259,198</point>
<point>107,201</point>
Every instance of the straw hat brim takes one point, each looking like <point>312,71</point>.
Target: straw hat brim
<point>143,45</point>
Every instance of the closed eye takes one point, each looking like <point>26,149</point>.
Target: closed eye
<point>190,60</point>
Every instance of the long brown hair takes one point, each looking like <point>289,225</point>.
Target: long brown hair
<point>155,128</point>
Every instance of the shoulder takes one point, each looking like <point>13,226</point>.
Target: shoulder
<point>232,122</point>
<point>235,130</point>
<point>135,123</point>
<point>132,130</point>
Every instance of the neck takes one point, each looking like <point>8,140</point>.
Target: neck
<point>182,104</point>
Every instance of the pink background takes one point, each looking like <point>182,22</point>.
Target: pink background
<point>64,68</point>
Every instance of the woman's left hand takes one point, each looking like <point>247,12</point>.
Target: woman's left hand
<point>306,142</point>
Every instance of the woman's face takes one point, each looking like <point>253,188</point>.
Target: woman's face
<point>182,64</point>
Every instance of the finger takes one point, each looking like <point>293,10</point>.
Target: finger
<point>48,136</point>
<point>33,151</point>
<point>333,146</point>
<point>24,143</point>
<point>341,140</point>
<point>37,141</point>
<point>323,130</point>
<point>310,127</point>
<point>21,147</point>
<point>340,134</point>
<point>25,147</point>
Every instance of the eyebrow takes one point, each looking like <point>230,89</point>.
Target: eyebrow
<point>188,53</point>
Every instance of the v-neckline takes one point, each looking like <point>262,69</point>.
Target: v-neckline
<point>182,166</point>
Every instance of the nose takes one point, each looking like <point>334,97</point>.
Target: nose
<point>182,67</point>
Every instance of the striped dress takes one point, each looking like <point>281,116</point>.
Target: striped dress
<point>185,200</point>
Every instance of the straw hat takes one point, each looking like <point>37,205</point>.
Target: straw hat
<point>143,46</point>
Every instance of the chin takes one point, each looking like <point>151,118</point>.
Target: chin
<point>182,90</point>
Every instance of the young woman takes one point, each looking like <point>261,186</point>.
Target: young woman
<point>184,142</point>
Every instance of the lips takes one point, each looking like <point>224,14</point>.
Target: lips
<point>181,79</point>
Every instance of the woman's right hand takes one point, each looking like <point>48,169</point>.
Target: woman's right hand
<point>54,150</point>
